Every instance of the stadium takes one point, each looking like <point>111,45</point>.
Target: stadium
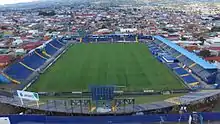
<point>114,74</point>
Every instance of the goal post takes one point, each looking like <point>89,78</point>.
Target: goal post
<point>30,96</point>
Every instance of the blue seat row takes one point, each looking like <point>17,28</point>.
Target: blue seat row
<point>173,65</point>
<point>33,60</point>
<point>41,53</point>
<point>167,57</point>
<point>130,38</point>
<point>50,50</point>
<point>189,79</point>
<point>180,71</point>
<point>118,38</point>
<point>18,72</point>
<point>61,41</point>
<point>56,43</point>
<point>100,39</point>
<point>153,48</point>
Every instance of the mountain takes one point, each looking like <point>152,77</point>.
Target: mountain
<point>41,4</point>
<point>53,3</point>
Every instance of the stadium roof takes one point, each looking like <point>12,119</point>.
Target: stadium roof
<point>192,56</point>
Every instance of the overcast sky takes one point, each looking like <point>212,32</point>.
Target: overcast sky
<point>2,2</point>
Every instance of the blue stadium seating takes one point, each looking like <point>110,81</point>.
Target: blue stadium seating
<point>40,52</point>
<point>103,39</point>
<point>61,41</point>
<point>212,79</point>
<point>208,77</point>
<point>153,47</point>
<point>18,72</point>
<point>144,37</point>
<point>50,50</point>
<point>218,78</point>
<point>173,65</point>
<point>159,59</point>
<point>189,79</point>
<point>130,38</point>
<point>118,38</point>
<point>167,57</point>
<point>157,42</point>
<point>182,58</point>
<point>204,74</point>
<point>196,69</point>
<point>85,39</point>
<point>188,62</point>
<point>175,54</point>
<point>162,45</point>
<point>172,51</point>
<point>169,50</point>
<point>180,71</point>
<point>166,47</point>
<point>150,45</point>
<point>56,44</point>
<point>21,70</point>
<point>155,52</point>
<point>33,60</point>
<point>92,39</point>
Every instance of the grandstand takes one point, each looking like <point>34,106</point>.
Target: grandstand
<point>192,64</point>
<point>167,58</point>
<point>31,62</point>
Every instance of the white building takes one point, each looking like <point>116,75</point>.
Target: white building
<point>128,30</point>
<point>213,41</point>
<point>187,42</point>
<point>17,41</point>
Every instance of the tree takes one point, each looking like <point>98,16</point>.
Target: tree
<point>205,53</point>
<point>135,9</point>
<point>183,38</point>
<point>201,39</point>
<point>103,26</point>
<point>215,29</point>
<point>51,13</point>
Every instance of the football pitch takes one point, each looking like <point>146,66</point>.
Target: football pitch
<point>128,66</point>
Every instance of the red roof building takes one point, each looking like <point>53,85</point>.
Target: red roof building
<point>32,45</point>
<point>5,60</point>
<point>214,58</point>
<point>214,48</point>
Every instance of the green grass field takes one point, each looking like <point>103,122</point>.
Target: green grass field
<point>129,65</point>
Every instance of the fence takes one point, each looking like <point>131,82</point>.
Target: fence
<point>78,94</point>
<point>162,118</point>
<point>72,106</point>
